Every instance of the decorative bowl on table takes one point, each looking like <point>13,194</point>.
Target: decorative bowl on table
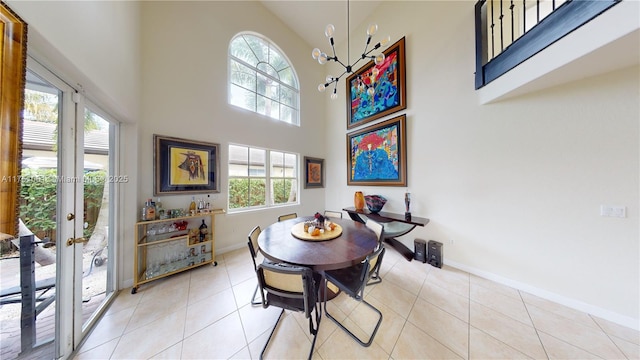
<point>375,202</point>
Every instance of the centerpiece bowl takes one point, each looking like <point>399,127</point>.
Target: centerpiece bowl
<point>375,202</point>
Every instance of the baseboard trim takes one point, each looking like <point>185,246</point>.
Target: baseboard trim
<point>548,295</point>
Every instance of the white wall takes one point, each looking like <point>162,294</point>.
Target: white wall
<point>87,42</point>
<point>185,47</point>
<point>513,189</point>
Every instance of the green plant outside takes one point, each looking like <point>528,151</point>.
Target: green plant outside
<point>38,199</point>
<point>246,193</point>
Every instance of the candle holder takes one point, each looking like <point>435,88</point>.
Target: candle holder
<point>407,202</point>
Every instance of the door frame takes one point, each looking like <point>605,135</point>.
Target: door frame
<point>69,329</point>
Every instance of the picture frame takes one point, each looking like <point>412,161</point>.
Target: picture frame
<point>377,155</point>
<point>313,173</point>
<point>184,166</point>
<point>390,88</point>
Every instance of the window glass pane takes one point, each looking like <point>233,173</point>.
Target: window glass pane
<point>269,70</point>
<point>238,193</point>
<point>268,107</point>
<point>258,46</point>
<point>287,114</point>
<point>257,192</point>
<point>277,164</point>
<point>238,160</point>
<point>280,192</point>
<point>277,60</point>
<point>290,165</point>
<point>268,87</point>
<point>257,163</point>
<point>287,96</point>
<point>243,76</point>
<point>241,50</point>
<point>287,77</point>
<point>242,98</point>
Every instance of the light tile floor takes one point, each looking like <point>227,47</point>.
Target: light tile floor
<point>429,313</point>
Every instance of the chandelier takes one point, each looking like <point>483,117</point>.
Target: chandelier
<point>323,58</point>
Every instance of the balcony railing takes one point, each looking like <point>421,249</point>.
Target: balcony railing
<point>509,32</point>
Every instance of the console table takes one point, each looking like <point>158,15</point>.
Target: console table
<point>394,225</point>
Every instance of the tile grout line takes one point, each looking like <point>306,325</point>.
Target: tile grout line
<point>608,336</point>
<point>534,324</point>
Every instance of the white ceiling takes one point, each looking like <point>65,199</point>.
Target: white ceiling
<point>308,18</point>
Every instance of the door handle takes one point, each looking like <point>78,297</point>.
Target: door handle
<point>71,241</point>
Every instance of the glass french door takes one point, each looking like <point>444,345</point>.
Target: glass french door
<point>67,203</point>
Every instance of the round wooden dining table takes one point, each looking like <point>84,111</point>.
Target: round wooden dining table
<point>354,244</point>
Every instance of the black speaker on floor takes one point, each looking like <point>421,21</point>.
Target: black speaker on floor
<point>434,254</point>
<point>420,253</point>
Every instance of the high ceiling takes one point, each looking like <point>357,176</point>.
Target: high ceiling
<point>308,18</point>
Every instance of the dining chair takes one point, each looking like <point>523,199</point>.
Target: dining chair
<point>294,288</point>
<point>333,214</point>
<point>352,281</point>
<point>253,249</point>
<point>377,228</point>
<point>287,217</point>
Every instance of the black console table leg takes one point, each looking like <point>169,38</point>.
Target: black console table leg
<point>402,249</point>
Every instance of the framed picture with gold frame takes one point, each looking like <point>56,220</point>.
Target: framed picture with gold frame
<point>375,91</point>
<point>184,166</point>
<point>377,155</point>
<point>313,173</point>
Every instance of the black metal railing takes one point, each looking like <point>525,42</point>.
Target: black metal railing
<point>509,32</point>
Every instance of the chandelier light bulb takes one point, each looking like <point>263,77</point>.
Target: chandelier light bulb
<point>322,59</point>
<point>330,29</point>
<point>329,78</point>
<point>372,29</point>
<point>385,41</point>
<point>375,72</point>
<point>371,91</point>
<point>334,95</point>
<point>379,59</point>
<point>316,53</point>
<point>321,88</point>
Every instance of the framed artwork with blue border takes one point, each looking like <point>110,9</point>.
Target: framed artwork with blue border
<point>184,166</point>
<point>377,155</point>
<point>375,91</point>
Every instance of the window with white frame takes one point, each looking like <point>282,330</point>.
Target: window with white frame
<point>262,79</point>
<point>261,178</point>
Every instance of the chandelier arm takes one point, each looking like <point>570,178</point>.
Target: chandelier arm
<point>366,54</point>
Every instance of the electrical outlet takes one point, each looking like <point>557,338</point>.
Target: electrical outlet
<point>613,211</point>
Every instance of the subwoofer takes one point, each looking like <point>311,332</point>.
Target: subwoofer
<point>434,254</point>
<point>420,253</point>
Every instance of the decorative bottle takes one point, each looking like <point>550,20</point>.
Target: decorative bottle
<point>203,231</point>
<point>160,210</point>
<point>150,211</point>
<point>192,206</point>
<point>358,200</point>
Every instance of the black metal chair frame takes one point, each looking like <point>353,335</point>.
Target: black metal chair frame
<point>352,282</point>
<point>375,277</point>
<point>254,255</point>
<point>307,301</point>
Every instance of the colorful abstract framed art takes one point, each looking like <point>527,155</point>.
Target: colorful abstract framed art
<point>185,166</point>
<point>377,155</point>
<point>389,94</point>
<point>313,173</point>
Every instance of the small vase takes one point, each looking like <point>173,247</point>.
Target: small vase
<point>358,200</point>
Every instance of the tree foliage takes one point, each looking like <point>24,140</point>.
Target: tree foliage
<point>38,199</point>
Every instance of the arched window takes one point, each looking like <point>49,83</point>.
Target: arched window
<point>261,78</point>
